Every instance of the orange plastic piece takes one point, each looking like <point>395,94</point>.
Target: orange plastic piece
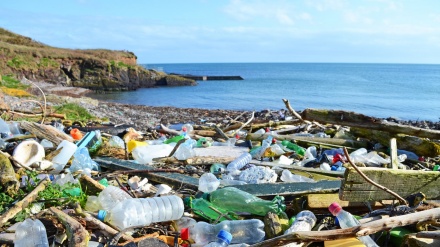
<point>76,134</point>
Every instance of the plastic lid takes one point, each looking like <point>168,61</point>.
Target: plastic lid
<point>184,233</point>
<point>334,208</point>
<point>102,214</point>
<point>225,235</point>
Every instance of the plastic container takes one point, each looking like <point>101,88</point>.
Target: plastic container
<point>236,200</point>
<point>29,152</point>
<point>208,182</point>
<point>223,239</point>
<point>116,142</point>
<point>60,160</point>
<point>258,175</point>
<point>242,231</point>
<point>111,195</point>
<point>4,129</point>
<point>14,128</point>
<point>234,167</point>
<point>347,220</point>
<point>304,221</point>
<point>31,233</point>
<point>185,150</point>
<point>92,141</point>
<point>139,212</point>
<point>145,154</point>
<point>82,161</point>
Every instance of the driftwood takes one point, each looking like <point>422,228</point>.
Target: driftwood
<point>311,140</point>
<point>8,180</point>
<point>274,124</point>
<point>292,111</point>
<point>23,203</point>
<point>353,119</point>
<point>77,235</point>
<point>208,160</point>
<point>46,132</point>
<point>90,185</point>
<point>358,231</point>
<point>421,146</point>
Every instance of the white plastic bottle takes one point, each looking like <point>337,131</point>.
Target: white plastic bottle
<point>110,196</point>
<point>234,167</point>
<point>223,239</point>
<point>208,182</point>
<point>347,220</point>
<point>242,231</point>
<point>140,212</point>
<point>31,233</point>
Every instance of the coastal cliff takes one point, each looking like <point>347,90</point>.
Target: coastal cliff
<point>95,69</point>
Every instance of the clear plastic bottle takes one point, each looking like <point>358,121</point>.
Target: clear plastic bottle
<point>304,221</point>
<point>235,166</point>
<point>208,182</point>
<point>347,220</point>
<point>31,233</point>
<point>82,161</point>
<point>139,212</point>
<point>242,231</point>
<point>223,239</point>
<point>287,176</point>
<point>186,150</point>
<point>111,195</point>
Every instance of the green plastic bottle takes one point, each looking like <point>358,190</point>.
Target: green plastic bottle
<point>292,146</point>
<point>236,200</point>
<point>174,139</point>
<point>208,210</point>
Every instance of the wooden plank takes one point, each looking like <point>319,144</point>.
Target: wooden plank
<point>318,201</point>
<point>176,179</point>
<point>393,152</point>
<point>353,119</point>
<point>172,179</point>
<point>404,182</point>
<point>290,189</point>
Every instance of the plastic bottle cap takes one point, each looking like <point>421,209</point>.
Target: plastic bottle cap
<point>334,208</point>
<point>225,235</point>
<point>184,129</point>
<point>76,134</point>
<point>184,233</point>
<point>102,214</point>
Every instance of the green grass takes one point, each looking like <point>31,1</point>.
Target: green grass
<point>74,112</point>
<point>10,82</point>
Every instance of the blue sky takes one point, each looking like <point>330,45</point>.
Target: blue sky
<point>199,31</point>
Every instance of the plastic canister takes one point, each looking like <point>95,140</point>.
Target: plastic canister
<point>61,159</point>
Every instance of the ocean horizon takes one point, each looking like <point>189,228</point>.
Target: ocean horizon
<point>402,91</point>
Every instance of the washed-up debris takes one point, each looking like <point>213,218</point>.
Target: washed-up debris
<point>268,182</point>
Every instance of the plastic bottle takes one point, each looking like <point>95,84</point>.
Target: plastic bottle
<point>208,182</point>
<point>259,153</point>
<point>61,159</point>
<point>217,168</point>
<point>287,176</point>
<point>347,220</point>
<point>116,142</point>
<point>292,146</point>
<point>258,175</point>
<point>83,161</point>
<point>111,195</point>
<point>208,210</point>
<point>304,221</point>
<point>31,233</point>
<point>4,129</point>
<point>242,231</point>
<point>233,199</point>
<point>223,239</point>
<point>234,167</point>
<point>145,154</point>
<point>139,212</point>
<point>185,150</point>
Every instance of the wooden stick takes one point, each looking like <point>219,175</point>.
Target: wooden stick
<point>357,231</point>
<point>23,203</point>
<point>429,234</point>
<point>347,156</point>
<point>220,132</point>
<point>76,233</point>
<point>241,127</point>
<point>291,110</point>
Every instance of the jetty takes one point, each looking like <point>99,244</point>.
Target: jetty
<point>211,77</point>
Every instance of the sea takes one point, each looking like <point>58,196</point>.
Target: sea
<point>401,91</point>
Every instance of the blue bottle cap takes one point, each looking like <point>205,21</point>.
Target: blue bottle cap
<point>225,236</point>
<point>102,214</point>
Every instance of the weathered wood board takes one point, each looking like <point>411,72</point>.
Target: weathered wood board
<point>177,179</point>
<point>404,182</point>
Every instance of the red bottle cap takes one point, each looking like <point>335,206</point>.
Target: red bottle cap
<point>334,208</point>
<point>267,129</point>
<point>184,129</point>
<point>184,233</point>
